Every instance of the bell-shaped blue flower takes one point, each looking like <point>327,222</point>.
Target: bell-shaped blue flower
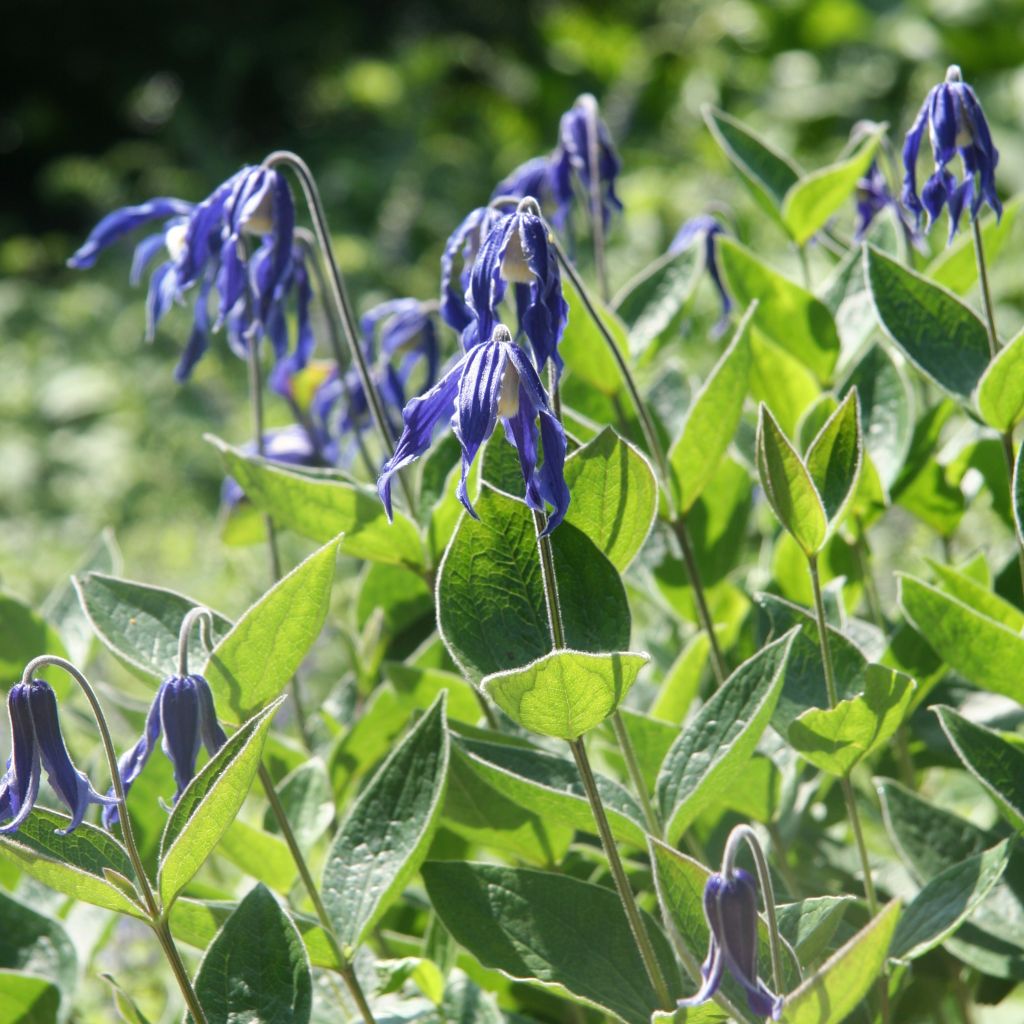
<point>956,124</point>
<point>461,248</point>
<point>585,150</point>
<point>532,178</point>
<point>36,742</point>
<point>730,907</point>
<point>494,380</point>
<point>705,228</point>
<point>183,712</point>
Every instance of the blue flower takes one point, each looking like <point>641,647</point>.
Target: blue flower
<point>730,906</point>
<point>36,742</point>
<point>704,228</point>
<point>585,150</point>
<point>493,380</point>
<point>517,251</point>
<point>533,178</point>
<point>183,711</point>
<point>956,124</point>
<point>463,245</point>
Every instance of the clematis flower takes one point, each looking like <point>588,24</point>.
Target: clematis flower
<point>36,742</point>
<point>585,149</point>
<point>462,246</point>
<point>704,228</point>
<point>956,124</point>
<point>493,380</point>
<point>183,712</point>
<point>517,251</point>
<point>730,906</point>
<point>532,178</point>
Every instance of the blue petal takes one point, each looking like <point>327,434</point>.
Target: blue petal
<point>944,123</point>
<point>199,338</point>
<point>463,242</point>
<point>911,148</point>
<point>119,223</point>
<point>160,297</point>
<point>476,405</point>
<point>179,720</point>
<point>203,235</point>
<point>145,252</point>
<point>545,318</point>
<point>209,728</point>
<point>21,782</point>
<point>532,178</point>
<point>130,766</point>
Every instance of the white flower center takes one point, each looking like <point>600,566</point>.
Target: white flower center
<point>514,265</point>
<point>260,221</point>
<point>508,396</point>
<point>174,240</point>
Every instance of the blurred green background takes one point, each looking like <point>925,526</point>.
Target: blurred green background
<point>408,113</point>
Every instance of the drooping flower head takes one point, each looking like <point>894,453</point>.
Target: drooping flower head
<point>956,124</point>
<point>532,178</point>
<point>730,907</point>
<point>494,380</point>
<point>462,247</point>
<point>705,228</point>
<point>585,151</point>
<point>183,713</point>
<point>36,743</point>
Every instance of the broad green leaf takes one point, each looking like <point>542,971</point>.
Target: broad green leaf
<point>321,508</point>
<point>983,650</point>
<point>843,980</point>
<point>931,326</point>
<point>385,837</point>
<point>550,786</point>
<point>139,624</point>
<point>259,855</point>
<point>527,924</point>
<point>682,681</point>
<point>947,901</point>
<point>256,970</point>
<point>978,596</point>
<point>711,420</point>
<point>1001,388</point>
<point>384,717</point>
<point>78,864</point>
<point>209,804</point>
<point>36,944</point>
<point>780,380</point>
<point>251,666</point>
<point>418,688</point>
<point>126,1006</point>
<point>308,802</point>
<point>789,487</point>
<point>651,741</point>
<point>614,496</point>
<point>956,266</point>
<point>24,635</point>
<point>651,304</point>
<point>835,455</point>
<point>402,597</point>
<point>995,763</point>
<point>808,926</point>
<point>811,201</point>
<point>834,740</point>
<point>465,1002</point>
<point>491,607</point>
<point>788,314</point>
<point>584,348</point>
<point>565,693</point>
<point>767,173</point>
<point>714,748</point>
<point>758,799</point>
<point>27,999</point>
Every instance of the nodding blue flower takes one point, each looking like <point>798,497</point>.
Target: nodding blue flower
<point>730,906</point>
<point>517,251</point>
<point>704,228</point>
<point>956,124</point>
<point>873,196</point>
<point>494,380</point>
<point>533,178</point>
<point>463,245</point>
<point>208,247</point>
<point>585,149</point>
<point>183,712</point>
<point>295,445</point>
<point>36,743</point>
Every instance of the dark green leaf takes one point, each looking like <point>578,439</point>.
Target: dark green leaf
<point>308,802</point>
<point>584,348</point>
<point>651,303</point>
<point>808,926</point>
<point>1001,389</point>
<point>27,999</point>
<point>835,455</point>
<point>36,944</point>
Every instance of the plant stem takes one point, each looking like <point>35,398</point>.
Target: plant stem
<point>699,599</point>
<point>993,350</point>
<point>805,268</point>
<point>819,611</point>
<point>152,904</point>
<point>874,603</point>
<point>635,775</point>
<point>340,300</point>
<point>595,203</point>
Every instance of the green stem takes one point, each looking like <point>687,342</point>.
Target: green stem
<point>635,775</point>
<point>595,204</point>
<point>874,603</point>
<point>805,268</point>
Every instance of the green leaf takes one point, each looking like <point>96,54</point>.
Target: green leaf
<point>811,201</point>
<point>1018,494</point>
<point>491,608</point>
<point>259,855</point>
<point>789,487</point>
<point>550,786</point>
<point>308,802</point>
<point>256,970</point>
<point>27,999</point>
<point>781,381</point>
<point>418,688</point>
<point>767,173</point>
<point>834,740</point>
<point>808,926</point>
<point>714,748</point>
<point>947,901</point>
<point>126,1007</point>
<point>835,455</point>
<point>941,336</point>
<point>843,980</point>
<point>464,1002</point>
<point>565,693</point>
<point>25,635</point>
<point>584,348</point>
<point>712,419</point>
<point>682,681</point>
<point>614,496</point>
<point>77,864</point>
<point>36,944</point>
<point>789,315</point>
<point>956,266</point>
<point>209,804</point>
<point>1001,388</point>
<point>977,595</point>
<point>321,508</point>
<point>139,624</point>
<point>386,835</point>
<point>651,304</point>
<point>995,763</point>
<point>528,924</point>
<point>252,664</point>
<point>983,650</point>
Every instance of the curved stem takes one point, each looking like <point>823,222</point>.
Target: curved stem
<point>204,617</point>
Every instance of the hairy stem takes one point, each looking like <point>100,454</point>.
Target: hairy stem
<point>635,775</point>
